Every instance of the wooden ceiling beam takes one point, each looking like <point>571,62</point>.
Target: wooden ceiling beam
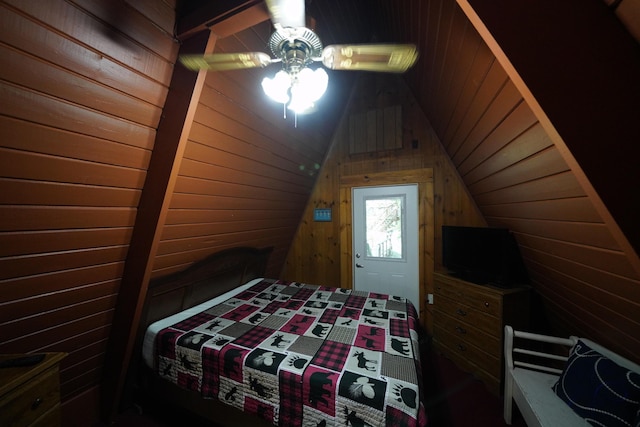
<point>222,17</point>
<point>171,140</point>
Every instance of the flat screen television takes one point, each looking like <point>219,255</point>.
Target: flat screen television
<point>486,256</point>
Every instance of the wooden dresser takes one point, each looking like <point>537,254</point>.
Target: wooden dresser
<point>468,324</point>
<point>30,395</point>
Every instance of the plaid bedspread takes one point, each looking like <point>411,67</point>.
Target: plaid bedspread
<point>302,355</point>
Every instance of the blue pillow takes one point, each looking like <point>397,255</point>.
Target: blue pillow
<point>599,390</point>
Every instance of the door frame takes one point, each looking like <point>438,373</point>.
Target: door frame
<point>424,179</point>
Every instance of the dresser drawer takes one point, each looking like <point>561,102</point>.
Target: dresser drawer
<point>474,296</point>
<point>481,320</point>
<point>468,324</point>
<point>467,354</point>
<point>32,400</point>
<point>481,365</point>
<point>468,333</point>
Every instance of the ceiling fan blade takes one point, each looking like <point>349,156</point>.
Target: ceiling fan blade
<point>286,13</point>
<point>390,58</point>
<point>226,61</point>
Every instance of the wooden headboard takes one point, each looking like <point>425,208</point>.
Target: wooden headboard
<point>203,280</point>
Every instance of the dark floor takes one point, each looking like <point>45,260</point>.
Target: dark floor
<point>456,399</point>
<point>453,399</point>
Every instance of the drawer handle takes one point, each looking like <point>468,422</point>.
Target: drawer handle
<point>486,304</point>
<point>461,330</point>
<point>461,312</point>
<point>462,347</point>
<point>36,403</point>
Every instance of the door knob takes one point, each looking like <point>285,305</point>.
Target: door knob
<point>358,265</point>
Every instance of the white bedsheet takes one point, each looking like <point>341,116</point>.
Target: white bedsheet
<point>153,329</point>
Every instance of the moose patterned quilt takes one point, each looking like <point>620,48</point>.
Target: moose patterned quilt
<point>302,355</point>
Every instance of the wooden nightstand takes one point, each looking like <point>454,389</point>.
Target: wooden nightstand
<point>30,395</point>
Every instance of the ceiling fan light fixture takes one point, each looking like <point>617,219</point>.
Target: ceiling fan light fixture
<point>277,88</point>
<point>307,89</point>
<point>298,91</point>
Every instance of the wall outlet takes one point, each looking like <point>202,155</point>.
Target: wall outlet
<point>430,298</point>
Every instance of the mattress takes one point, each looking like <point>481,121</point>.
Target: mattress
<point>297,354</point>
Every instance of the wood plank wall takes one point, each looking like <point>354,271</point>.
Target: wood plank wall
<point>83,85</point>
<point>247,171</point>
<point>315,253</point>
<point>519,178</point>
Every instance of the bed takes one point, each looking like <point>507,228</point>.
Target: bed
<point>230,345</point>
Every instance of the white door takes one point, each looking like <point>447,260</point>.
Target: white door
<point>385,241</point>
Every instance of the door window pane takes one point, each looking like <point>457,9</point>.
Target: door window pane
<point>384,227</point>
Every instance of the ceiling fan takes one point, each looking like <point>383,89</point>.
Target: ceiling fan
<point>297,85</point>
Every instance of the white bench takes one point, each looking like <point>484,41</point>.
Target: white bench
<point>530,384</point>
